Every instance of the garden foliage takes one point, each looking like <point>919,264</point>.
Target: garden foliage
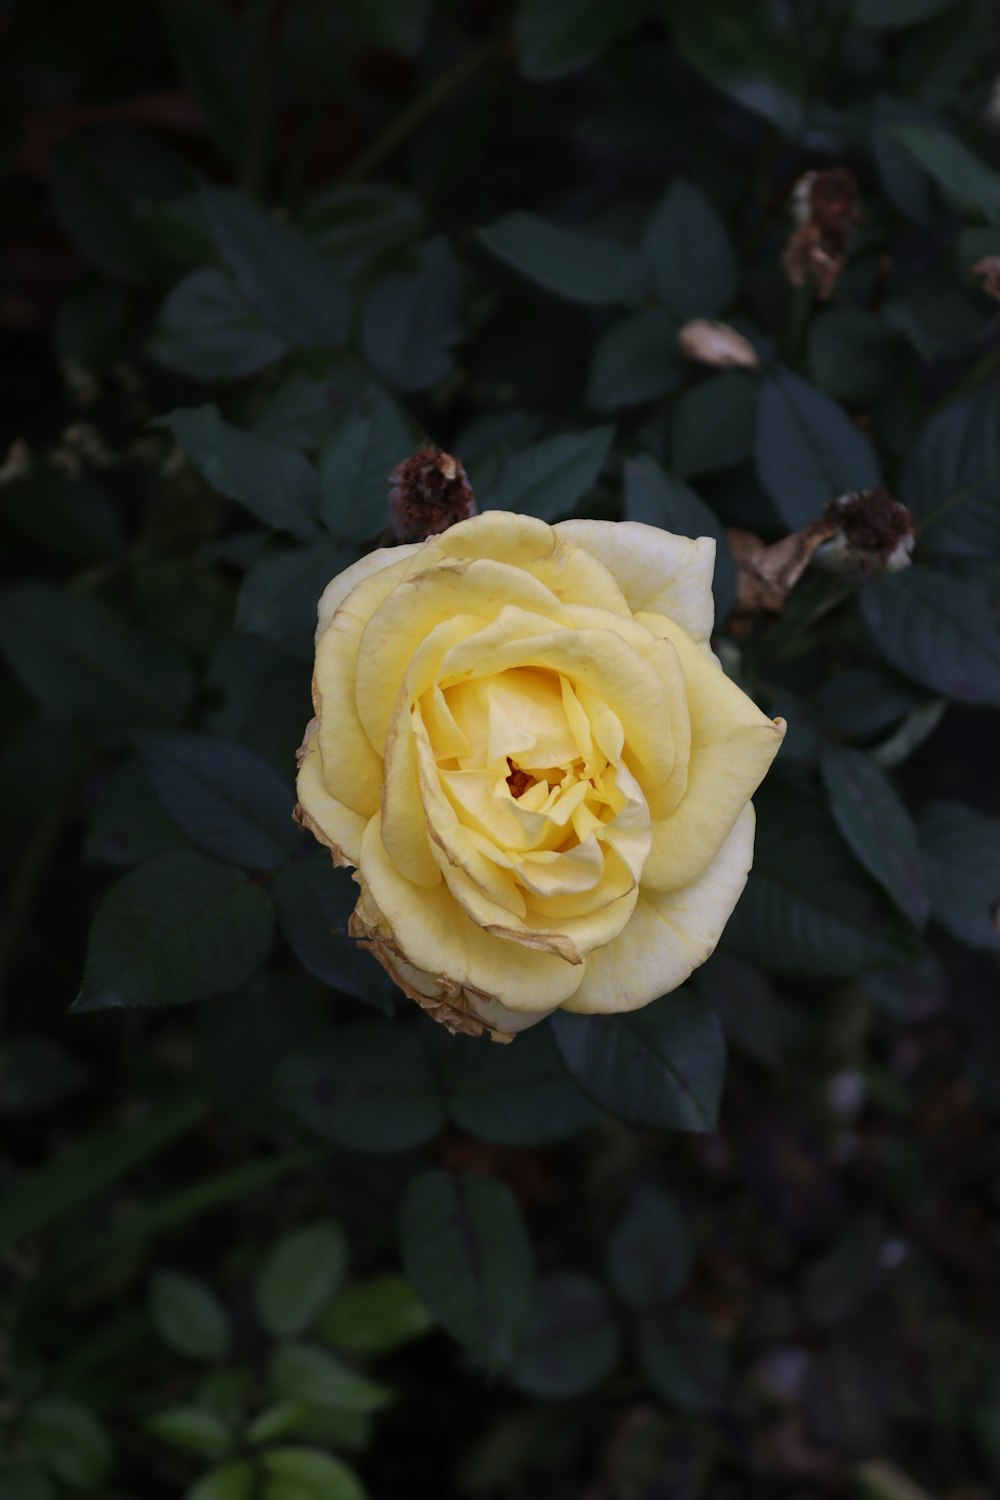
<point>265,1232</point>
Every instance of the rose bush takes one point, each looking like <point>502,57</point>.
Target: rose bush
<point>527,749</point>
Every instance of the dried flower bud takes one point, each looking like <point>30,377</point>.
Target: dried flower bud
<point>988,272</point>
<point>826,208</point>
<point>431,491</point>
<point>716,344</point>
<point>872,533</point>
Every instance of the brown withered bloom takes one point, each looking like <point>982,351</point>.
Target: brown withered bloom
<point>857,534</point>
<point>827,209</point>
<point>873,533</point>
<point>431,491</point>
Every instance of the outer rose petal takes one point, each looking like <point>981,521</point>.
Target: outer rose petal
<point>329,820</point>
<point>670,933</point>
<point>732,746</point>
<point>656,571</point>
<point>338,588</point>
<point>429,928</point>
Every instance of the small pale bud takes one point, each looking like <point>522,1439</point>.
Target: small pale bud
<point>716,344</point>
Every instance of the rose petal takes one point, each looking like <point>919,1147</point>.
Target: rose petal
<point>436,935</point>
<point>732,746</point>
<point>655,570</point>
<point>669,934</point>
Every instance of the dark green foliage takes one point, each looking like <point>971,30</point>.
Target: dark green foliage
<point>296,1242</point>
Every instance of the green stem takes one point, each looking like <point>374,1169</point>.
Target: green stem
<point>798,324</point>
<point>262,107</point>
<point>26,878</point>
<point>424,104</point>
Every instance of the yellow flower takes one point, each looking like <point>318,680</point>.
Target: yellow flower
<point>526,748</point>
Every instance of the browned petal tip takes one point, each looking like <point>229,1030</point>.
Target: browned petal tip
<point>767,574</point>
<point>431,491</point>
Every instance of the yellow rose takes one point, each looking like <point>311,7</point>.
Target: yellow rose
<point>527,749</point>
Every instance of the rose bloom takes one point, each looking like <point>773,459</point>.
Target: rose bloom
<point>526,748</point>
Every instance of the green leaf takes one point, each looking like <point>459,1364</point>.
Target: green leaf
<point>299,1275</point>
<point>69,1441</point>
<point>937,630</point>
<point>877,828</point>
<point>572,1341</point>
<point>693,264</point>
<point>208,330</point>
<point>356,463</point>
<point>962,851</point>
<point>233,1481</point>
<point>308,1474</point>
<point>582,267</point>
<point>859,703</point>
<point>277,484</point>
<point>370,1089</point>
<point>853,356</point>
<point>515,1096</point>
<point>653,497</point>
<point>549,477</point>
<point>192,1428</point>
<point>411,321</point>
<point>746,54</point>
<point>314,901</point>
<point>649,1257</point>
<point>128,822</point>
<point>635,360</point>
<point>556,37</point>
<point>281,592</point>
<point>808,449</point>
<point>20,1480</point>
<point>225,797</point>
<point>288,280</point>
<point>83,1171</point>
<point>906,184</point>
<point>83,663</point>
<point>712,425</point>
<point>188,1316</point>
<point>808,908</point>
<point>182,927</point>
<point>213,52</point>
<point>374,1316</point>
<point>467,1253</point>
<point>399,25</point>
<point>684,1357</point>
<point>891,13</point>
<point>660,1067</point>
<point>743,1000</point>
<point>97,215</point>
<point>960,175</point>
<point>355,224</point>
<point>300,1372</point>
<point>952,479</point>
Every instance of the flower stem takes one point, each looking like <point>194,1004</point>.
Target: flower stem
<point>422,106</point>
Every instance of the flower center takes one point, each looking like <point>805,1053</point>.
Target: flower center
<point>518,780</point>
